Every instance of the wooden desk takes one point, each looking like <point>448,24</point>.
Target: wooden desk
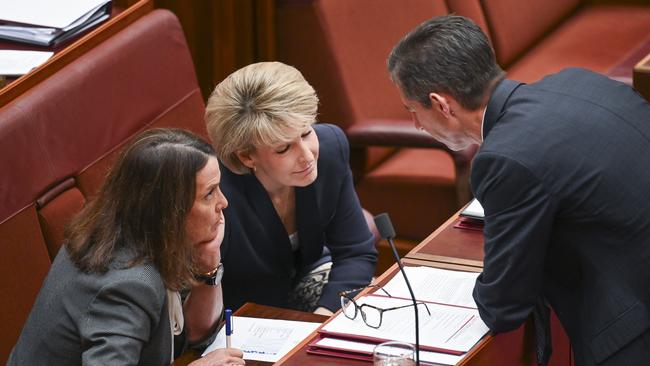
<point>459,249</point>
<point>448,248</point>
<point>513,348</point>
<point>453,248</point>
<point>642,76</point>
<point>634,69</point>
<point>259,311</point>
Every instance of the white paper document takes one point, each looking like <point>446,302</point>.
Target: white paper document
<point>435,285</point>
<point>425,356</point>
<point>449,328</point>
<point>13,63</point>
<point>47,13</point>
<point>474,210</point>
<point>263,339</point>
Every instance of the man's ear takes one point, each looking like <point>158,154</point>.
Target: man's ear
<point>441,103</point>
<point>246,159</point>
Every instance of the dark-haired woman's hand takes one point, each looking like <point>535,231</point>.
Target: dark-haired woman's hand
<point>221,357</point>
<point>209,253</point>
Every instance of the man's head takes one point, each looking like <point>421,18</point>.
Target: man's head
<point>445,69</point>
<point>447,54</point>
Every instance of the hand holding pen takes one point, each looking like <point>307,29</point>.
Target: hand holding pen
<point>226,356</point>
<point>228,328</point>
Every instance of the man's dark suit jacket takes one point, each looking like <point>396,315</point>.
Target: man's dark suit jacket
<point>564,178</point>
<point>258,261</point>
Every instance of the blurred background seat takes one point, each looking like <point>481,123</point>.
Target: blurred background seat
<point>341,47</point>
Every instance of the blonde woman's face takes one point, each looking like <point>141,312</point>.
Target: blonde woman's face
<point>292,164</point>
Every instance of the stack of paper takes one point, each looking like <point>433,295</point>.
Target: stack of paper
<point>46,22</point>
<point>14,63</point>
<point>473,210</point>
<point>263,339</point>
<point>446,335</point>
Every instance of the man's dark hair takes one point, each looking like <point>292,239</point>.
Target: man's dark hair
<point>142,207</point>
<point>448,54</point>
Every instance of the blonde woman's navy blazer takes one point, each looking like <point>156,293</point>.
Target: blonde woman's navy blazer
<point>259,264</point>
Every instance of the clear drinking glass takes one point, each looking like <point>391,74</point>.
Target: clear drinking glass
<point>394,354</point>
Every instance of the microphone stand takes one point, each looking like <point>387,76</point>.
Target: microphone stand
<point>386,231</point>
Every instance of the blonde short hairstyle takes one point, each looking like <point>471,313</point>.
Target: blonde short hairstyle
<point>262,104</point>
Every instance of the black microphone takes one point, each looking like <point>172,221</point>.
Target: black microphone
<point>386,231</point>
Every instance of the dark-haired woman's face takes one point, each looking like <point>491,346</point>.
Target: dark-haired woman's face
<point>205,221</point>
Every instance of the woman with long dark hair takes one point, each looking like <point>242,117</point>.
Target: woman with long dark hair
<point>112,295</point>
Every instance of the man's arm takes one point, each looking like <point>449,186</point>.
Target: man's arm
<point>519,215</point>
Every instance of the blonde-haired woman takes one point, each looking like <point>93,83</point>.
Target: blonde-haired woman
<point>296,234</point>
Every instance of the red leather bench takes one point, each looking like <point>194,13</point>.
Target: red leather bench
<point>58,139</point>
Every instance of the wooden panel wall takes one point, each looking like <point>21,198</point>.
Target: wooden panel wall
<point>223,35</point>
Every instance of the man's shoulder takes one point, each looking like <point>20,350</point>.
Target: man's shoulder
<point>329,133</point>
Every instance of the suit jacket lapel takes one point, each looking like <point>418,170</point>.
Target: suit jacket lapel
<point>277,245</point>
<point>310,231</point>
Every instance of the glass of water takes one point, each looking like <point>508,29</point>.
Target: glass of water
<point>394,354</point>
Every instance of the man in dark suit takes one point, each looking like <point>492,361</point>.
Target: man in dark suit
<point>563,176</point>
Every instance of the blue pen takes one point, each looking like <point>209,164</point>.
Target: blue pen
<point>228,327</point>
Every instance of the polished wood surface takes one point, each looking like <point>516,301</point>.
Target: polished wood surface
<point>121,18</point>
<point>641,78</point>
<point>462,249</point>
<point>259,311</point>
<point>623,71</point>
<point>451,245</point>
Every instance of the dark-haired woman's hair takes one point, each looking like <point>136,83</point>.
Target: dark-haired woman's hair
<point>142,207</point>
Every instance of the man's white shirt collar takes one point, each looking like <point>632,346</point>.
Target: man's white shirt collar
<point>483,123</point>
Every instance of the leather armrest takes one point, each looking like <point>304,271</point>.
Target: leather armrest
<point>401,133</point>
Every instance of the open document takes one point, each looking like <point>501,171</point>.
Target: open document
<point>46,22</point>
<point>435,285</point>
<point>449,329</point>
<point>264,339</point>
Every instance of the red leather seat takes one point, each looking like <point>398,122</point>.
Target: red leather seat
<point>341,48</point>
<point>539,37</point>
<point>58,139</point>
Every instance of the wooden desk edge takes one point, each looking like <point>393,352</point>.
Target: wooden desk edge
<point>643,65</point>
<point>74,50</point>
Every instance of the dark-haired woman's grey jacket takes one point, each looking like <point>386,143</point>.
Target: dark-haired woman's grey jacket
<point>117,318</point>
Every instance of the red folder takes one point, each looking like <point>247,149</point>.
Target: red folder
<point>469,224</point>
<point>316,349</point>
